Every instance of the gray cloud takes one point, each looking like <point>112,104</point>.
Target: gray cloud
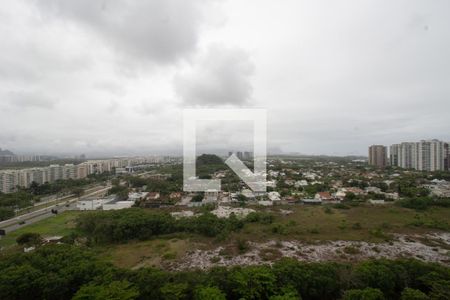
<point>161,31</point>
<point>333,77</point>
<point>221,76</point>
<point>24,100</point>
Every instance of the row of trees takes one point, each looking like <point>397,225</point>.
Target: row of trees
<point>65,272</point>
<point>134,223</point>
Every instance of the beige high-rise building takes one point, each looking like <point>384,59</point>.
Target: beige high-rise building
<point>378,156</point>
<point>82,171</point>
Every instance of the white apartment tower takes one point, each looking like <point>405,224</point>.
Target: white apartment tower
<point>426,155</point>
<point>430,155</point>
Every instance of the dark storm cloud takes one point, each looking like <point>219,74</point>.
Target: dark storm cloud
<point>157,30</point>
<point>219,77</point>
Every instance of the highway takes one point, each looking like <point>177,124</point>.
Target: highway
<point>43,213</point>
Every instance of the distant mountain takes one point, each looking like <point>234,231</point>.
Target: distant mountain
<point>209,159</point>
<point>5,152</point>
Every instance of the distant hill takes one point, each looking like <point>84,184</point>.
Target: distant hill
<point>5,152</point>
<point>209,159</point>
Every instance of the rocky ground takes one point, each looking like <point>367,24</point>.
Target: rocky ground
<point>430,247</point>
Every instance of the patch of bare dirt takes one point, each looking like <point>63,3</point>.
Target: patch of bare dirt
<point>431,248</point>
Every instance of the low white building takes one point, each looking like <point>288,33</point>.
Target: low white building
<point>137,196</point>
<point>89,204</point>
<point>301,183</point>
<point>248,194</point>
<point>274,196</point>
<point>210,196</point>
<point>107,203</point>
<point>392,196</point>
<point>271,183</point>
<point>377,202</point>
<point>373,189</point>
<point>114,205</point>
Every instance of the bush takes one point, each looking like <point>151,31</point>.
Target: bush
<point>260,217</point>
<point>356,226</point>
<point>62,271</point>
<point>6,213</point>
<point>412,294</point>
<point>341,206</point>
<point>135,223</point>
<point>209,293</point>
<point>365,294</point>
<point>29,239</point>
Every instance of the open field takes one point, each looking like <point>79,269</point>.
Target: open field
<point>59,225</point>
<point>305,225</point>
<point>361,223</point>
<point>152,253</point>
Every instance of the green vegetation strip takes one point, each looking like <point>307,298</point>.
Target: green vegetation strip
<point>59,225</point>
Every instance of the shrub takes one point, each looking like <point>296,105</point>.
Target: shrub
<point>29,238</point>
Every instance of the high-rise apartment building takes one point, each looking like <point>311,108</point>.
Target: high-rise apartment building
<point>378,156</point>
<point>9,180</point>
<point>426,155</point>
<point>430,155</point>
<point>407,156</point>
<point>446,157</point>
<point>394,153</point>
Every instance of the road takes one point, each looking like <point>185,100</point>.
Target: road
<point>35,216</point>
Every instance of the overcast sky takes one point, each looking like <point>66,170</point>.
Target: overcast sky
<point>112,77</point>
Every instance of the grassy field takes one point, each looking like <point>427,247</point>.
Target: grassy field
<point>362,223</point>
<point>151,253</point>
<point>305,223</point>
<point>59,225</point>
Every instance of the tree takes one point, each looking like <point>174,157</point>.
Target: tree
<point>197,197</point>
<point>255,282</point>
<point>412,294</point>
<point>440,290</point>
<point>287,293</point>
<point>174,291</point>
<point>365,294</point>
<point>29,238</point>
<point>78,192</point>
<point>6,213</point>
<point>350,196</point>
<point>209,293</point>
<point>116,290</point>
<point>377,274</point>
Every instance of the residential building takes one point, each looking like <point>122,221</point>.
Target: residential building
<point>274,196</point>
<point>210,196</point>
<point>378,156</point>
<point>426,155</point>
<point>430,155</point>
<point>407,156</point>
<point>446,157</point>
<point>394,154</point>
